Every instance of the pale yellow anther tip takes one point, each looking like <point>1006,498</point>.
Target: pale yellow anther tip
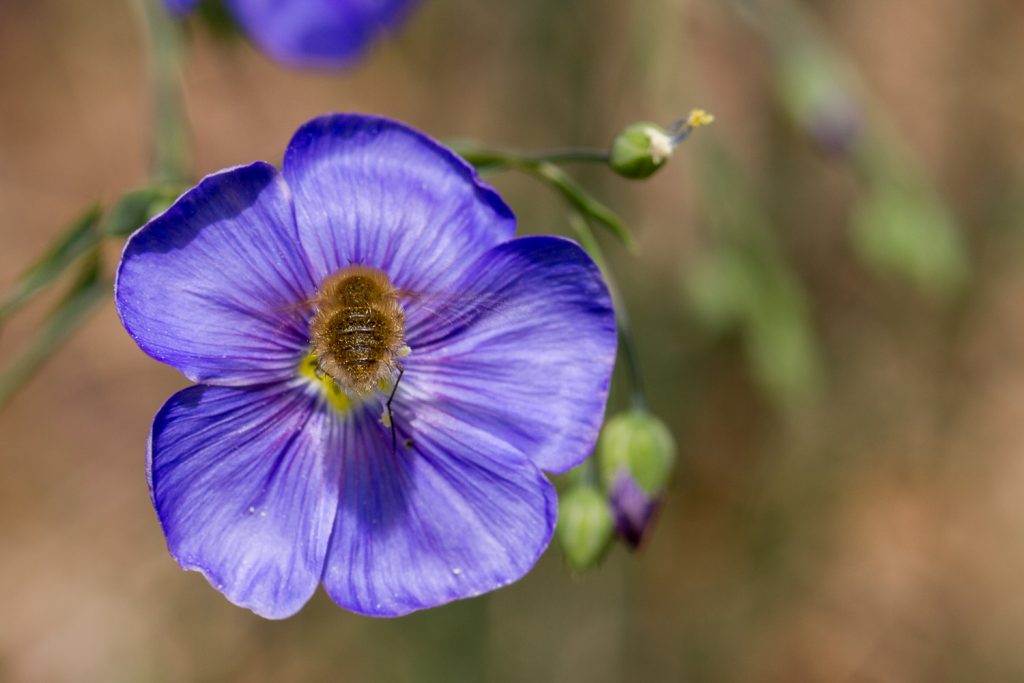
<point>698,118</point>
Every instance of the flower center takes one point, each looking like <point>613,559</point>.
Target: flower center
<point>309,368</point>
<point>358,332</point>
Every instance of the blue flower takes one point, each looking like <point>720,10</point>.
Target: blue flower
<point>277,471</point>
<point>323,33</point>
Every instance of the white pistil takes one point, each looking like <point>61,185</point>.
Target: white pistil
<point>662,145</point>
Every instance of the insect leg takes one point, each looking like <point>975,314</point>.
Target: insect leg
<point>391,417</point>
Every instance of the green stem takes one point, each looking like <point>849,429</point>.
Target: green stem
<point>496,159</point>
<point>544,167</point>
<point>638,398</point>
<point>170,135</point>
<point>588,240</point>
<point>587,473</point>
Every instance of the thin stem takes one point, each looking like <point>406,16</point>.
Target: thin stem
<point>587,155</point>
<point>638,398</point>
<point>587,472</point>
<point>495,159</point>
<point>170,134</point>
<point>575,195</point>
<point>588,240</point>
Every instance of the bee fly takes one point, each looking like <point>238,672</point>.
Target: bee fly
<point>358,333</point>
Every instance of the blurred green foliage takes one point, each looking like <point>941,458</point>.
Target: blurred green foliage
<point>907,232</point>
<point>742,284</point>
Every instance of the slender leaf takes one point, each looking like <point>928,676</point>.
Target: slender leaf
<point>135,208</point>
<point>745,285</point>
<point>88,291</point>
<point>79,238</point>
<point>583,201</point>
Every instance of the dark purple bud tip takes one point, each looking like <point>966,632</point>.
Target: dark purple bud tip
<point>634,509</point>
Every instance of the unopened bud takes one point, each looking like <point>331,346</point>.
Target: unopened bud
<point>642,148</point>
<point>637,453</point>
<point>585,526</point>
<point>633,508</point>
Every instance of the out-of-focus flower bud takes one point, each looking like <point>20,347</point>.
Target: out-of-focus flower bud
<point>585,526</point>
<point>636,453</point>
<point>816,92</point>
<point>642,148</point>
<point>835,125</point>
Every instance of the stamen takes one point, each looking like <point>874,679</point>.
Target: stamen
<point>681,129</point>
<point>698,118</point>
<point>310,369</point>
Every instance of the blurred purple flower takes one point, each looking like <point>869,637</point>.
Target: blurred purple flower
<point>269,481</point>
<point>319,33</point>
<point>835,124</point>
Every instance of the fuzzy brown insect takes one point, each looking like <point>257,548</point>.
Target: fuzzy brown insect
<point>358,331</point>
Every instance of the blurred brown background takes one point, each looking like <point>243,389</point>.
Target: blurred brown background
<point>849,501</point>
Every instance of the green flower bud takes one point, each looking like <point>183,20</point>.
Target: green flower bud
<point>636,454</point>
<point>642,148</point>
<point>638,444</point>
<point>585,526</point>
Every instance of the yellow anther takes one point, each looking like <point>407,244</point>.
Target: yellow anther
<point>698,118</point>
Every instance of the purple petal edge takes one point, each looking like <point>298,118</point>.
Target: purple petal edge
<point>371,190</point>
<point>243,492</point>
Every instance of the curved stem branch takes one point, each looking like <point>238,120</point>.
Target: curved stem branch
<point>588,240</point>
<point>490,159</point>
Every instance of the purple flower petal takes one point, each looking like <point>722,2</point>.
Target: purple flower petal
<point>214,286</point>
<point>317,32</point>
<point>455,515</point>
<point>525,352</point>
<point>372,191</point>
<point>244,492</point>
<point>633,507</point>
